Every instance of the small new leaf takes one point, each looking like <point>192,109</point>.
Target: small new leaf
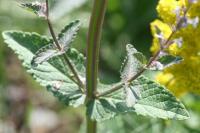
<point>68,34</point>
<point>37,8</point>
<point>65,38</point>
<point>45,53</point>
<point>134,62</point>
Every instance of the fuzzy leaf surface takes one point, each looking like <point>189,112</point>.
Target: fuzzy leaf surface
<point>108,106</point>
<point>68,34</point>
<point>36,7</point>
<point>134,62</point>
<point>169,60</point>
<point>52,74</point>
<point>65,38</point>
<point>151,99</point>
<point>157,101</point>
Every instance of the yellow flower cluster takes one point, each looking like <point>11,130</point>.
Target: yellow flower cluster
<point>185,76</point>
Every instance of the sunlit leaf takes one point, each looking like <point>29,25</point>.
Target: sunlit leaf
<point>134,62</point>
<point>51,74</point>
<point>132,93</point>
<point>68,34</point>
<point>45,53</point>
<point>108,106</point>
<point>65,38</point>
<point>149,99</point>
<point>157,101</point>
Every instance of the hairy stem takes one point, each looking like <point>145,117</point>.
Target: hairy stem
<point>93,46</point>
<point>51,27</point>
<point>67,61</point>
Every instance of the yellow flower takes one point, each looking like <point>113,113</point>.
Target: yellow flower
<point>184,77</point>
<point>166,9</point>
<point>166,30</point>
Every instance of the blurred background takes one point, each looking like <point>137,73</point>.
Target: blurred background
<point>26,107</point>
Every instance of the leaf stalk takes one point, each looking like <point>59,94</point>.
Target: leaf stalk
<point>151,60</point>
<point>67,61</point>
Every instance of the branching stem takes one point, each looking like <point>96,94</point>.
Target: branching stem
<point>67,61</point>
<point>151,60</point>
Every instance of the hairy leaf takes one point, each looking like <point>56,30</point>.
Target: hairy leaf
<point>45,53</point>
<point>68,34</point>
<point>157,101</point>
<point>133,63</point>
<point>52,74</point>
<point>169,60</point>
<point>36,7</point>
<point>65,38</point>
<point>108,106</point>
<point>132,93</point>
<point>149,99</point>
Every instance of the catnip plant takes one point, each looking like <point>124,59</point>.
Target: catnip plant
<point>73,78</point>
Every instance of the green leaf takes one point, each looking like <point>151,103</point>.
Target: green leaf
<point>45,53</point>
<point>36,7</point>
<point>52,74</point>
<point>108,106</point>
<point>157,101</point>
<point>150,99</point>
<point>68,34</point>
<point>115,125</point>
<point>169,60</point>
<point>65,38</point>
<point>132,93</point>
<point>133,63</point>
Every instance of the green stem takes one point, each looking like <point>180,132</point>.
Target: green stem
<point>67,61</point>
<point>91,126</point>
<point>93,46</point>
<point>154,58</point>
